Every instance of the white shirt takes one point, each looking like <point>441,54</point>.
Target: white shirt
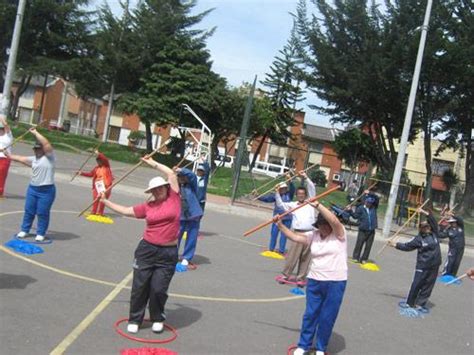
<point>5,140</point>
<point>42,169</point>
<point>303,218</point>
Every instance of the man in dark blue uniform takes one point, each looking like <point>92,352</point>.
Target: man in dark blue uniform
<point>455,233</point>
<point>428,261</point>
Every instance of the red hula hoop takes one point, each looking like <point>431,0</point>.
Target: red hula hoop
<point>290,349</point>
<point>143,340</point>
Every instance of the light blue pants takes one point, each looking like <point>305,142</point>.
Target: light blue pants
<point>274,236</point>
<point>323,300</point>
<point>39,200</point>
<point>191,227</point>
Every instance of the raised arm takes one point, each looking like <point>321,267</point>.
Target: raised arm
<point>47,147</point>
<point>431,220</point>
<point>279,202</point>
<point>168,172</point>
<point>6,127</point>
<point>296,237</point>
<point>336,225</point>
<point>192,178</point>
<point>309,184</point>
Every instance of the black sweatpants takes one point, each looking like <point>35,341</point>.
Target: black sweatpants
<point>154,267</point>
<point>422,286</point>
<point>363,237</point>
<point>453,261</point>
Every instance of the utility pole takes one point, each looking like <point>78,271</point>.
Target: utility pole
<point>7,86</point>
<point>242,141</point>
<point>407,125</point>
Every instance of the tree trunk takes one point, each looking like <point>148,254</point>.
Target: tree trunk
<point>468,196</point>
<point>148,137</point>
<point>43,94</point>
<point>24,83</point>
<point>257,152</point>
<point>427,150</point>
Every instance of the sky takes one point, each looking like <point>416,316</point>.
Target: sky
<point>248,36</point>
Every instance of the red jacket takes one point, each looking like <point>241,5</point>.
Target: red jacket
<point>101,172</point>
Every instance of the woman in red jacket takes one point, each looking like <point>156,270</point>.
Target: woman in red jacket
<point>101,180</point>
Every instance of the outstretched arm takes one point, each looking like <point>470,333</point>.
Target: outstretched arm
<point>18,158</point>
<point>123,210</point>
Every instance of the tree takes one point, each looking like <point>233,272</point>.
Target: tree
<point>54,36</point>
<point>458,124</point>
<point>275,112</point>
<point>353,63</point>
<point>353,147</point>
<point>176,65</point>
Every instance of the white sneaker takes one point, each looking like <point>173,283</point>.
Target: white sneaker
<point>21,234</point>
<point>299,351</point>
<point>184,262</point>
<point>39,238</point>
<point>157,327</point>
<point>132,328</point>
<point>318,352</point>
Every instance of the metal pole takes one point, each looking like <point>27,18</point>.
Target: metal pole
<point>109,113</point>
<point>407,125</point>
<point>7,86</point>
<point>242,141</point>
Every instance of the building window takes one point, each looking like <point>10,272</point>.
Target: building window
<point>114,134</point>
<point>29,93</point>
<point>315,146</point>
<point>440,166</point>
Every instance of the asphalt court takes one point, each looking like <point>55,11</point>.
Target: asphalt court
<point>229,305</point>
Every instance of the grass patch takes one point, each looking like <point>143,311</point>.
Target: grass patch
<point>75,143</point>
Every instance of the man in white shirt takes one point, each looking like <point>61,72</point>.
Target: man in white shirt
<point>303,220</point>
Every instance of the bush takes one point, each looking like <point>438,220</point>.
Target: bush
<point>318,176</point>
<point>135,136</point>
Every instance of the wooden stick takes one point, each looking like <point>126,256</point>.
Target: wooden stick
<point>308,201</point>
<point>456,279</point>
<point>394,236</point>
<point>362,194</point>
<point>283,182</point>
<point>135,167</point>
<point>189,163</point>
<point>88,158</point>
<point>447,210</point>
<point>272,181</point>
<point>181,161</point>
<point>16,140</point>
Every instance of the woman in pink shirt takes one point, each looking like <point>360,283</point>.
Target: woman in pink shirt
<point>157,252</point>
<point>327,278</point>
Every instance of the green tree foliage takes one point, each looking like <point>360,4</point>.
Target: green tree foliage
<point>318,176</point>
<point>354,146</point>
<point>275,111</point>
<point>54,36</point>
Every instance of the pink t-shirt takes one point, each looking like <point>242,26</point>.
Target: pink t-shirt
<point>162,219</point>
<point>328,257</point>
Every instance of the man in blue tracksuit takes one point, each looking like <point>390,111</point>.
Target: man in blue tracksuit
<point>191,213</point>
<point>428,261</point>
<point>366,214</point>
<point>455,233</point>
<point>286,194</point>
<point>202,173</point>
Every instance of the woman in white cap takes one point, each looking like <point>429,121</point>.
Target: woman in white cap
<point>6,140</point>
<point>41,190</point>
<point>157,252</point>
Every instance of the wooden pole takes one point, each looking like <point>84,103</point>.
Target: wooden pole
<point>362,194</point>
<point>308,201</point>
<point>394,237</point>
<point>456,279</point>
<point>447,210</point>
<point>84,164</point>
<point>135,167</point>
<point>181,161</point>
<point>283,182</point>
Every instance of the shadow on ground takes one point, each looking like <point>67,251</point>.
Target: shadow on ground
<point>12,281</point>
<point>56,235</point>
<point>181,316</point>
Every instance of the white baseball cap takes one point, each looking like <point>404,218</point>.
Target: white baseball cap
<point>156,182</point>
<point>282,185</point>
<point>452,219</point>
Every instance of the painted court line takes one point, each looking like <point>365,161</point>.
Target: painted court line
<point>71,337</point>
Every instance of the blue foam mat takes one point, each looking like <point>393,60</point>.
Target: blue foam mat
<point>23,247</point>
<point>297,291</point>
<point>448,278</point>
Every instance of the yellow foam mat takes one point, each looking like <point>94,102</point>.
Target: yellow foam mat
<point>370,267</point>
<point>272,254</point>
<point>99,219</point>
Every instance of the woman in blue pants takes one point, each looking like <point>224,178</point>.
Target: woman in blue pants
<point>41,191</point>
<point>327,278</point>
